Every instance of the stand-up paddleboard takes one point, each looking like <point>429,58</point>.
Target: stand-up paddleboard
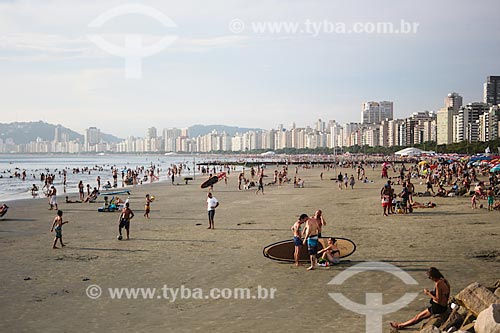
<point>209,182</point>
<point>115,192</point>
<point>284,250</point>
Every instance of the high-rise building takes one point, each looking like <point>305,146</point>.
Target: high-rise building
<point>386,110</point>
<point>375,112</point>
<point>453,100</point>
<point>92,136</point>
<point>152,133</point>
<point>467,122</point>
<point>488,124</point>
<point>492,90</point>
<point>320,125</point>
<point>444,125</point>
<point>57,133</point>
<point>170,136</point>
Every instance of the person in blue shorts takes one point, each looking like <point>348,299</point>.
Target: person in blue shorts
<point>310,234</point>
<point>297,240</point>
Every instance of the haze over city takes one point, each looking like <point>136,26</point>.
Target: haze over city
<point>211,74</point>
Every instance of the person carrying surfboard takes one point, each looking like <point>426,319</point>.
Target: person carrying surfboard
<point>297,240</point>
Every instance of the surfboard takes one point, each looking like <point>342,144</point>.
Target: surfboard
<point>115,192</point>
<point>209,182</point>
<point>283,250</point>
<point>221,175</point>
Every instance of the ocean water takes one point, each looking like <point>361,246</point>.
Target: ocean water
<point>13,188</point>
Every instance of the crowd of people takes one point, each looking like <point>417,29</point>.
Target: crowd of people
<point>442,179</point>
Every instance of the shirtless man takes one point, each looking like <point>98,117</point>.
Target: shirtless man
<point>411,190</point>
<point>124,220</point>
<point>310,234</point>
<point>318,216</point>
<point>57,227</point>
<point>439,299</point>
<point>297,240</point>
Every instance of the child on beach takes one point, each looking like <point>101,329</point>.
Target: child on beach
<point>147,207</point>
<point>474,201</point>
<point>491,198</point>
<point>57,227</point>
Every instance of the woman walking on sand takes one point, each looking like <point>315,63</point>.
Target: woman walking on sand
<point>352,182</point>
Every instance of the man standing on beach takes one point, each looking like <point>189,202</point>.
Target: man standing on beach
<point>311,236</point>
<point>297,240</point>
<point>57,227</point>
<point>318,216</point>
<point>124,220</point>
<point>212,203</point>
<point>260,183</point>
<point>52,197</point>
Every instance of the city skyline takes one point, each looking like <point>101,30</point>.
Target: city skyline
<point>212,75</point>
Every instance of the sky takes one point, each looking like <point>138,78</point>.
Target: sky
<point>210,63</point>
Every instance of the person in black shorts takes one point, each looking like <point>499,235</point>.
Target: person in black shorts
<point>124,221</point>
<point>439,299</point>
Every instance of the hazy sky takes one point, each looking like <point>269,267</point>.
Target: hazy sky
<point>51,71</point>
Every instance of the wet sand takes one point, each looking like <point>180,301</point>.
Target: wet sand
<point>45,290</point>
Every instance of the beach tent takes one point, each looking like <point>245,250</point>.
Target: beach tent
<point>412,151</point>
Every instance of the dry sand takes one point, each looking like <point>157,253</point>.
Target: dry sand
<point>172,249</point>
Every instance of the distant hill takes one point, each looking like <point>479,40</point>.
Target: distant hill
<point>196,130</point>
<point>25,132</point>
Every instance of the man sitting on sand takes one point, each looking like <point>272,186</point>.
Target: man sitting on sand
<point>439,299</point>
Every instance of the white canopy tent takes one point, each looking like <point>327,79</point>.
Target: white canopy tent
<point>412,151</point>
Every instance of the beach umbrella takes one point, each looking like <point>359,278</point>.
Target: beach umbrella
<point>495,168</point>
<point>423,162</point>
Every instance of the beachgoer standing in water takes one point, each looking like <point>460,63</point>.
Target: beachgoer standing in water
<point>80,190</point>
<point>57,227</point>
<point>297,240</point>
<point>212,203</point>
<point>53,197</point>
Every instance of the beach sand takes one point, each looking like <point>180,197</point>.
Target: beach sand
<point>174,248</point>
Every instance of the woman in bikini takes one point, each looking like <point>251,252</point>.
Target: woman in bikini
<point>331,252</point>
<point>439,299</point>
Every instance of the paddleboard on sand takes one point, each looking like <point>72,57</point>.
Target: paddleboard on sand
<point>115,192</point>
<point>209,182</point>
<point>283,251</point>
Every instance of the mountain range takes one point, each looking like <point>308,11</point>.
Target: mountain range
<point>25,132</point>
